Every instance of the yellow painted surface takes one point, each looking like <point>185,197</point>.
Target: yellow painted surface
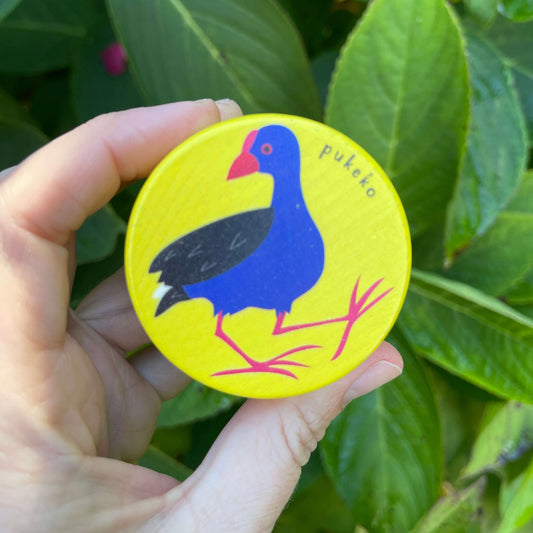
<point>363,228</point>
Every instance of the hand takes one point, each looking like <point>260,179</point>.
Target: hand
<point>73,409</point>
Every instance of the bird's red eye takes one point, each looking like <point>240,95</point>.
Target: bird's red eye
<point>266,149</point>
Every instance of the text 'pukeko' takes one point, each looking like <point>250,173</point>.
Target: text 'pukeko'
<point>264,258</point>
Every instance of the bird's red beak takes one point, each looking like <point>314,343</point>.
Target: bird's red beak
<point>246,163</point>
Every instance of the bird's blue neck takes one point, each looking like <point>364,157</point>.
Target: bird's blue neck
<point>287,188</point>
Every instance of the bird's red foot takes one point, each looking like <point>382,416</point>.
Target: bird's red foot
<point>357,309</point>
<point>270,366</point>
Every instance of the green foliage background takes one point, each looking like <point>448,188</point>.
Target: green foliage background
<point>442,96</point>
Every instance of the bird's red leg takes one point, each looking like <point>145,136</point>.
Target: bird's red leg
<point>257,366</point>
<point>356,310</point>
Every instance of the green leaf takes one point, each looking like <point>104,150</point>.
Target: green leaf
<point>316,510</point>
<point>96,91</point>
<point>311,471</point>
<point>514,42</point>
<point>195,403</point>
<point>17,141</point>
<point>123,202</point>
<point>518,10</point>
<point>189,49</point>
<point>506,432</point>
<point>470,334</point>
<point>323,24</point>
<point>41,35</point>
<point>428,248</point>
<point>90,275</point>
<point>496,149</point>
<point>460,411</point>
<point>6,6</point>
<point>159,461</point>
<point>12,112</point>
<point>174,441</point>
<point>51,105</point>
<point>524,87</point>
<point>491,519</point>
<point>400,90</point>
<point>18,135</point>
<point>482,10</point>
<point>384,453</point>
<point>454,512</point>
<point>322,67</point>
<point>522,202</point>
<point>519,510</point>
<point>96,239</point>
<point>502,257</point>
<point>526,310</point>
<point>522,292</point>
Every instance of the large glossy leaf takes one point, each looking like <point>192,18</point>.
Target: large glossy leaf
<point>189,49</point>
<point>503,256</point>
<point>506,433</point>
<point>316,510</point>
<point>454,512</point>
<point>482,10</point>
<point>6,6</point>
<point>41,35</point>
<point>163,463</point>
<point>19,137</point>
<point>496,149</point>
<point>322,67</point>
<point>194,403</point>
<point>96,239</point>
<point>383,452</point>
<point>51,105</point>
<point>470,334</point>
<point>11,111</point>
<point>90,275</point>
<point>515,42</point>
<point>522,292</point>
<point>518,10</point>
<point>400,90</point>
<point>518,509</point>
<point>460,410</point>
<point>17,141</point>
<point>95,90</point>
<point>524,87</point>
<point>323,24</point>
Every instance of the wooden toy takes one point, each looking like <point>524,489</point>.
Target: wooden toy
<point>267,256</point>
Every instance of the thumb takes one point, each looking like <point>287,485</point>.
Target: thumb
<point>250,472</point>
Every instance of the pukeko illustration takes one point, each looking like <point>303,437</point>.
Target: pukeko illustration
<point>263,258</point>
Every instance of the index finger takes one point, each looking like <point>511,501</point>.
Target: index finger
<point>73,176</point>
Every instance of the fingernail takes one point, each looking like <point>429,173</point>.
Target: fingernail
<point>228,109</point>
<point>377,375</point>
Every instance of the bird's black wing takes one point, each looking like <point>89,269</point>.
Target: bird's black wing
<point>213,249</point>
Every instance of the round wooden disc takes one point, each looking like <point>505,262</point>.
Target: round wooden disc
<point>267,256</point>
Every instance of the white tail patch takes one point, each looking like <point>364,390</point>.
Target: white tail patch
<point>161,291</point>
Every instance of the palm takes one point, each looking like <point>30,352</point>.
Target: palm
<point>116,406</point>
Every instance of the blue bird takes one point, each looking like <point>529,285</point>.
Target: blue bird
<point>263,258</point>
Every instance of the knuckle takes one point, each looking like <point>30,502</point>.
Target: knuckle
<point>300,433</point>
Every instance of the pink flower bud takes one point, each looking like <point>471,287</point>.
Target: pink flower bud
<point>114,59</point>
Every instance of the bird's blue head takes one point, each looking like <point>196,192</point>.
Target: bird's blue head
<point>272,149</point>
